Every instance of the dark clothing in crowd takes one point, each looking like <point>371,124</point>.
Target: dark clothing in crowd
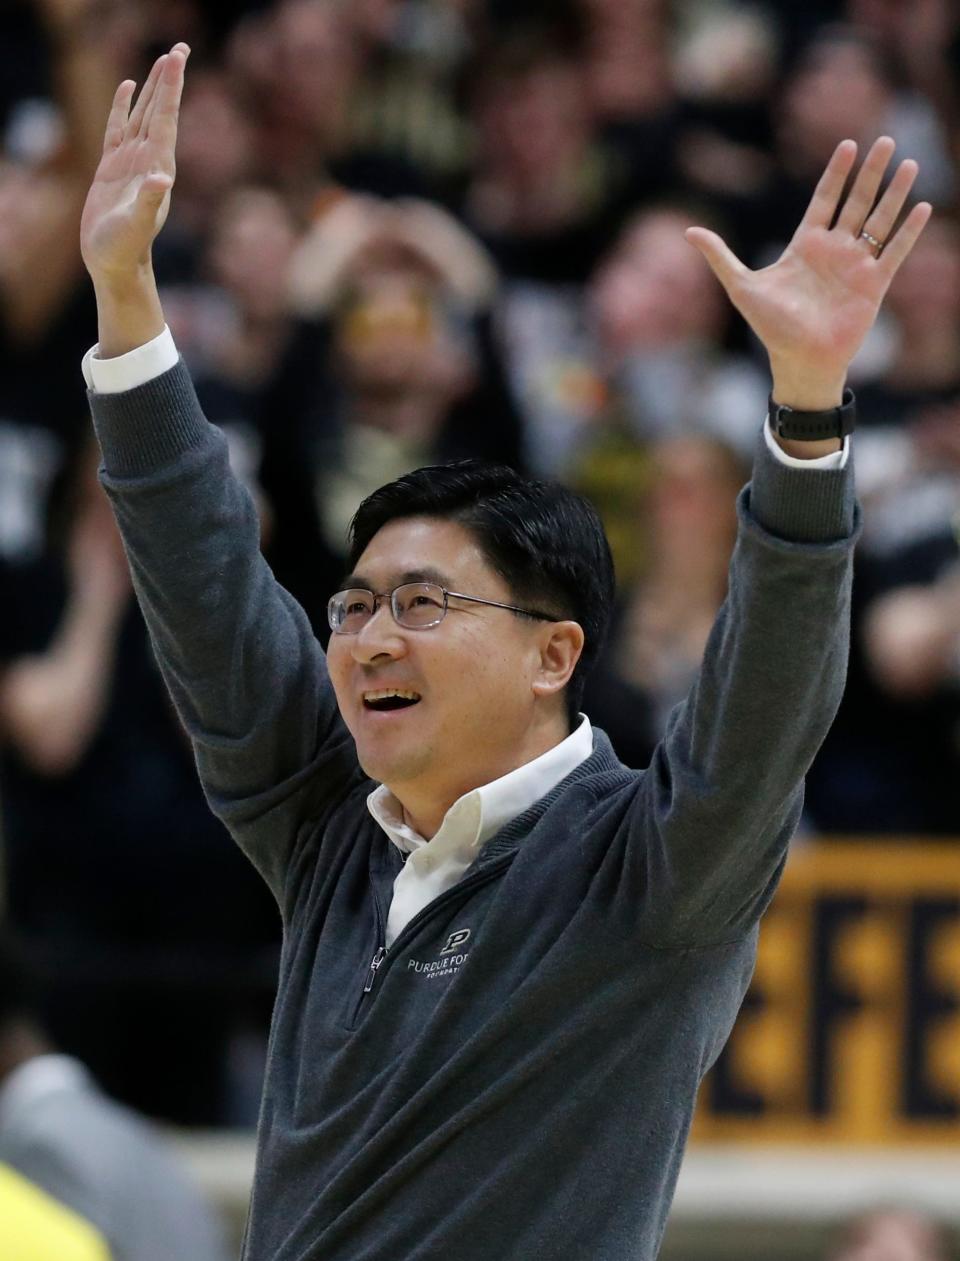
<point>128,889</point>
<point>889,765</point>
<point>43,422</point>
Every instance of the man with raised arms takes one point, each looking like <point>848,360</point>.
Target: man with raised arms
<point>508,960</point>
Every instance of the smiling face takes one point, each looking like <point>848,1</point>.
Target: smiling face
<point>489,682</point>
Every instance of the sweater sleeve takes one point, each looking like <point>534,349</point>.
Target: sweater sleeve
<point>246,674</point>
<point>722,797</point>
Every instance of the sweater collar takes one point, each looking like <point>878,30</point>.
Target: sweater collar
<point>478,815</point>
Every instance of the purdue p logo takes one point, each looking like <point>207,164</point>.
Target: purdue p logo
<point>455,941</point>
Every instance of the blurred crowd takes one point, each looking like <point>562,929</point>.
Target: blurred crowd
<point>405,231</point>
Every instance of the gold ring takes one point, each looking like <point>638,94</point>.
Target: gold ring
<point>872,240</point>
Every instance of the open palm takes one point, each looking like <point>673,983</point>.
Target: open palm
<point>128,200</point>
<point>813,307</point>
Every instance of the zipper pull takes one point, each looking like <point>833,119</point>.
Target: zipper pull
<point>374,964</point>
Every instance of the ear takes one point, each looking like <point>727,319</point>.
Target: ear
<point>560,649</point>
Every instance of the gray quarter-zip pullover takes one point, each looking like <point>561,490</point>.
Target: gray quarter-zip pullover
<point>513,1080</point>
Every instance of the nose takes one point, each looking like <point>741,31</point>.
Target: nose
<point>379,637</point>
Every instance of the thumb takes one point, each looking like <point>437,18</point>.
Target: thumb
<point>155,187</point>
<point>723,262</point>
<point>149,211</point>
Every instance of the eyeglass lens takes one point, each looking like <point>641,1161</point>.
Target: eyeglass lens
<point>415,605</point>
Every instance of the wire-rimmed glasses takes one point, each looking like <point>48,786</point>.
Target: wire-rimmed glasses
<point>414,605</point>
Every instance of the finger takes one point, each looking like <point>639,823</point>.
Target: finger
<point>723,262</point>
<point>864,192</point>
<point>135,125</point>
<point>829,189</point>
<point>161,124</point>
<point>903,241</point>
<point>119,111</point>
<point>880,223</point>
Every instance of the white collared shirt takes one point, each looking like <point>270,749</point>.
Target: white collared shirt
<point>436,865</point>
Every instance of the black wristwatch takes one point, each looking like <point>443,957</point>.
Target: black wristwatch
<point>836,422</point>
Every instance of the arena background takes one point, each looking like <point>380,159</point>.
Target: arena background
<point>409,230</point>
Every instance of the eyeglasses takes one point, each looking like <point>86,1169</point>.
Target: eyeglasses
<point>414,605</point>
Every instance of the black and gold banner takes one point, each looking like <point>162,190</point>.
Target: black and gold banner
<point>851,1029</point>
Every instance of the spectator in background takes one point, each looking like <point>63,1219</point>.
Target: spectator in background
<point>251,244</point>
<point>392,367</point>
<point>408,106</point>
<point>308,71</point>
<point>659,371</point>
<point>548,195</point>
<point>94,1157</point>
<point>725,71</point>
<point>840,85</point>
<point>156,937</point>
<point>660,325</point>
<point>626,60</point>
<point>912,637</point>
<point>890,762</point>
<point>50,149</point>
<point>219,154</point>
<point>234,321</point>
<point>660,629</point>
<point>909,452</point>
<point>921,40</point>
<point>751,137</point>
<point>296,68</point>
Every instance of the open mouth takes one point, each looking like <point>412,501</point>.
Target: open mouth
<point>385,701</point>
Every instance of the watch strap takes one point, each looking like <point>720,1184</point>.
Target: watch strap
<point>835,422</point>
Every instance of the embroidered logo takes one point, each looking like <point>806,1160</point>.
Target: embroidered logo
<point>455,941</point>
<point>448,962</point>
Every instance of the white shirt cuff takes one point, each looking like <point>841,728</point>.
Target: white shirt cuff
<point>136,367</point>
<point>836,459</point>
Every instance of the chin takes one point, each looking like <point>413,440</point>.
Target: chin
<point>392,768</point>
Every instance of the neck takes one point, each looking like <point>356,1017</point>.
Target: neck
<point>425,807</point>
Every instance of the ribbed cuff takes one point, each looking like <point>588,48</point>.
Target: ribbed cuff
<point>803,505</point>
<point>143,430</point>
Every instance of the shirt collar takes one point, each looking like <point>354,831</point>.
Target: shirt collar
<point>477,815</point>
<point>35,1078</point>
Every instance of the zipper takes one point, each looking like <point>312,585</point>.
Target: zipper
<point>372,971</point>
<point>381,954</point>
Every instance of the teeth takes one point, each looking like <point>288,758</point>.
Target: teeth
<point>386,692</point>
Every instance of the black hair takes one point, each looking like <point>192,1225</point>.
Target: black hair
<point>18,982</point>
<point>546,542</point>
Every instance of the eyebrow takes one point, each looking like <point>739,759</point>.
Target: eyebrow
<point>425,574</point>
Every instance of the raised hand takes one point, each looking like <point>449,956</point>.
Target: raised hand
<point>130,195</point>
<point>814,306</point>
